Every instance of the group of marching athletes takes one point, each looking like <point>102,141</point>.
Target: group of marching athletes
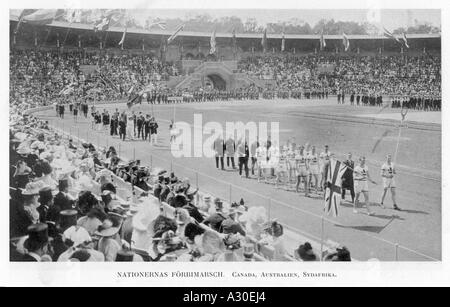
<point>302,165</point>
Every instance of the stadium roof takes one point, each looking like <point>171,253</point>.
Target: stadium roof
<point>82,26</point>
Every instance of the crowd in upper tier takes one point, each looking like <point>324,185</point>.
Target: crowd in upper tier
<point>415,76</point>
<point>40,78</point>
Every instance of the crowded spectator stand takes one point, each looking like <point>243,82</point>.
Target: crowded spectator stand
<point>71,201</point>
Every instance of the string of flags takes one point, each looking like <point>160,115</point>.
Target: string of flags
<point>103,23</point>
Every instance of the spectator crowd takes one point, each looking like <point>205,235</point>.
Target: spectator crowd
<point>40,78</point>
<point>73,201</point>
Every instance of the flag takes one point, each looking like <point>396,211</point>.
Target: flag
<point>43,17</point>
<point>103,23</point>
<point>175,34</point>
<point>123,37</point>
<point>405,41</point>
<point>264,40</point>
<point>388,34</point>
<point>346,42</point>
<point>323,44</point>
<point>108,82</point>
<point>335,171</point>
<point>73,16</point>
<point>21,17</point>
<point>213,43</point>
<point>161,24</point>
<point>282,42</point>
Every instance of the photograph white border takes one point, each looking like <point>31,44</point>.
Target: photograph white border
<point>106,274</point>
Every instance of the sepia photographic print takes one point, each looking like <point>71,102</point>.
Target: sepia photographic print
<point>231,143</point>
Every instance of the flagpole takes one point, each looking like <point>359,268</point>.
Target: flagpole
<point>399,134</point>
<point>67,33</point>
<point>322,238</point>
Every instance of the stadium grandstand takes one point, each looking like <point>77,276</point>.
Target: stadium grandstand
<point>135,204</point>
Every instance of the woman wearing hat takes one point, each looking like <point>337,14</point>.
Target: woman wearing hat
<point>109,243</point>
<point>30,200</point>
<point>21,174</point>
<point>305,252</point>
<point>274,237</point>
<point>47,178</point>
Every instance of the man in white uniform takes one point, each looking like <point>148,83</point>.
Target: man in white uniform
<point>302,171</point>
<point>361,177</point>
<point>387,173</point>
<point>313,162</point>
<point>261,158</point>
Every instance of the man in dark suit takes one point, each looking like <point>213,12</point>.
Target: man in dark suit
<point>62,199</point>
<point>46,201</point>
<point>242,153</point>
<point>140,124</point>
<point>219,147</point>
<point>146,126</point>
<point>37,243</point>
<point>230,148</point>
<point>347,178</point>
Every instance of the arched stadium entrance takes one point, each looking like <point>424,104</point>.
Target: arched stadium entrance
<point>217,82</point>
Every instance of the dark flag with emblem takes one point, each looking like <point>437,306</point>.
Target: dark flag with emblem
<point>335,171</point>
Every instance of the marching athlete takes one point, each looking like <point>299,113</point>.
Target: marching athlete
<point>291,164</point>
<point>281,170</point>
<point>324,161</point>
<point>173,131</point>
<point>75,113</point>
<point>313,162</point>
<point>261,159</point>
<point>361,177</point>
<point>388,172</point>
<point>302,171</point>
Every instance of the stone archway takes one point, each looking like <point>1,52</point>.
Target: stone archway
<point>217,81</point>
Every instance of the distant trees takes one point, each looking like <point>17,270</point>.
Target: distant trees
<point>205,23</point>
<point>418,28</point>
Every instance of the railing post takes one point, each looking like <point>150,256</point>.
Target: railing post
<point>78,134</point>
<point>134,153</point>
<point>119,151</point>
<point>151,162</point>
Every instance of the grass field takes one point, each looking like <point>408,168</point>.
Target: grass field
<point>416,229</point>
